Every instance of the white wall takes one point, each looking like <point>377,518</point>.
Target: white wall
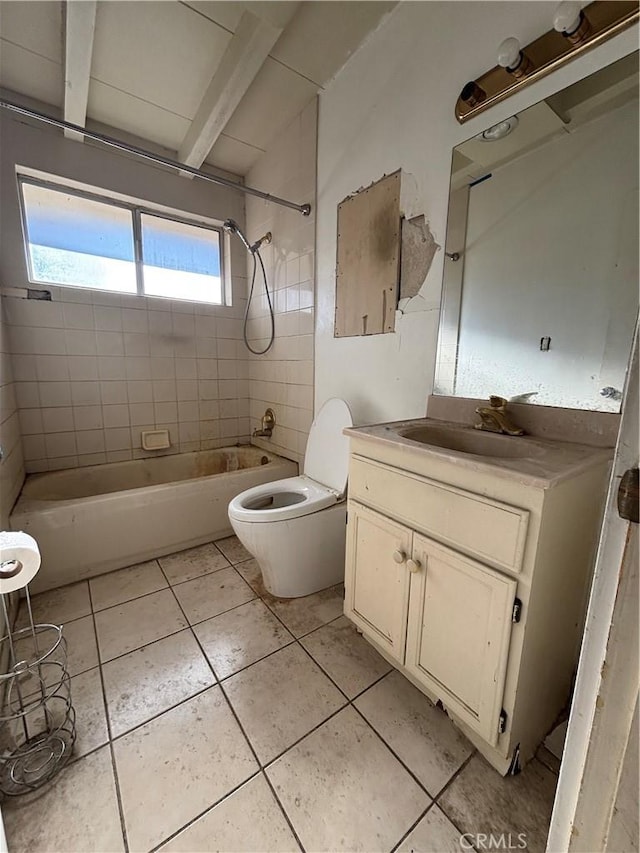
<point>392,107</point>
<point>93,369</point>
<point>551,250</point>
<point>282,379</point>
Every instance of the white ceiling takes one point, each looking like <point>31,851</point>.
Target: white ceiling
<point>152,63</point>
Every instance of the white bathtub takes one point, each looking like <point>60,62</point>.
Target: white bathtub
<point>91,520</point>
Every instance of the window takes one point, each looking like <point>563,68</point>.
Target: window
<point>81,240</point>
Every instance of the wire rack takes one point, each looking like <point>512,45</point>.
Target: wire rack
<point>37,719</point>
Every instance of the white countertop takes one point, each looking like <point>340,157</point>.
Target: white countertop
<point>544,462</point>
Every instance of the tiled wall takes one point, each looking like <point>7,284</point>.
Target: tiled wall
<point>11,464</point>
<point>92,370</point>
<point>283,378</point>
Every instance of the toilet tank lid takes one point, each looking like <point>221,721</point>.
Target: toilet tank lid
<point>327,457</point>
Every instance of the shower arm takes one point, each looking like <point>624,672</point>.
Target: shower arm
<point>304,209</point>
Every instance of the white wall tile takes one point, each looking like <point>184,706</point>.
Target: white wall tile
<point>90,441</point>
<point>113,392</point>
<point>83,368</point>
<point>108,319</point>
<point>88,417</point>
<point>80,342</point>
<point>77,316</point>
<point>55,393</point>
<point>57,420</point>
<point>52,368</point>
<point>110,343</point>
<point>60,444</point>
<point>115,416</point>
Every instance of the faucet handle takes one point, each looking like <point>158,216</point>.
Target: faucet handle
<point>497,402</point>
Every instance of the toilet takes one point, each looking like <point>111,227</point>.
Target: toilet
<point>295,528</point>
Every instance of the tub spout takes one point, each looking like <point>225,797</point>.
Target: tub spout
<point>268,423</point>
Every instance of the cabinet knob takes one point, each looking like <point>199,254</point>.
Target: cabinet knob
<point>414,565</point>
<point>399,556</point>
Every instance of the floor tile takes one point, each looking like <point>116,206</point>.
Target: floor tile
<point>346,656</point>
<point>480,800</point>
<point>435,832</point>
<point>419,733</point>
<point>82,647</point>
<point>175,766</point>
<point>78,812</point>
<point>81,652</point>
<point>149,680</point>
<point>125,584</point>
<point>233,549</point>
<point>344,790</point>
<point>240,637</point>
<point>58,606</point>
<point>300,615</point>
<point>212,594</point>
<point>91,721</point>
<point>190,564</point>
<point>136,623</point>
<point>248,820</point>
<point>280,699</point>
<point>250,571</point>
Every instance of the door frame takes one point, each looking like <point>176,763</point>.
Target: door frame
<point>607,682</point>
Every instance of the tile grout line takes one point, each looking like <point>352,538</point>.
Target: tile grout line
<point>219,682</point>
<point>349,702</point>
<point>413,826</point>
<point>240,726</point>
<point>297,640</point>
<point>123,827</point>
<point>179,630</point>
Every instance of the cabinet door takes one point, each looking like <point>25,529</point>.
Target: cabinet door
<point>459,631</point>
<point>377,578</point>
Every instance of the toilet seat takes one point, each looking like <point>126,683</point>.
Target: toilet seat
<point>282,500</point>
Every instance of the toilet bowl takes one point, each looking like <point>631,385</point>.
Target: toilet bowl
<point>296,528</point>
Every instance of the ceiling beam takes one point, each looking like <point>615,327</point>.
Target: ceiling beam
<point>245,54</point>
<point>80,25</point>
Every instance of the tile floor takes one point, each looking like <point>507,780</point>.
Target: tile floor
<point>214,717</point>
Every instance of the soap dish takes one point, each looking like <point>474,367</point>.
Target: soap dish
<point>155,439</point>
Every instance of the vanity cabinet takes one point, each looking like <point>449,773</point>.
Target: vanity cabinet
<point>473,584</point>
<point>445,617</point>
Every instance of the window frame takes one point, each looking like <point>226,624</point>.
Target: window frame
<point>136,209</point>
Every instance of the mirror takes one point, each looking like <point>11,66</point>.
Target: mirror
<point>540,290</point>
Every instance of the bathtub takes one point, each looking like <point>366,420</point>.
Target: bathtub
<point>91,520</point>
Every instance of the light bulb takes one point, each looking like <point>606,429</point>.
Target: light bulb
<point>509,53</point>
<point>567,17</point>
<point>500,130</point>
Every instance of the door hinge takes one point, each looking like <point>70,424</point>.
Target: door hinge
<point>516,613</point>
<point>628,503</point>
<point>502,722</point>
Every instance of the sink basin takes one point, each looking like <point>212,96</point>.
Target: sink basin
<point>469,440</point>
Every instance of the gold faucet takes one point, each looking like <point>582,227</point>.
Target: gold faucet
<point>494,417</point>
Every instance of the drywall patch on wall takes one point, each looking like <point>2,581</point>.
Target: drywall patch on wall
<point>368,259</point>
<point>418,251</point>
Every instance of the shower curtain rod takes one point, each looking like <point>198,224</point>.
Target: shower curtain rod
<point>304,209</point>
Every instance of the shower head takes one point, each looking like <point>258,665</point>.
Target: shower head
<point>232,227</point>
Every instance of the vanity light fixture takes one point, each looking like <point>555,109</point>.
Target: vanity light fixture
<point>574,30</point>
